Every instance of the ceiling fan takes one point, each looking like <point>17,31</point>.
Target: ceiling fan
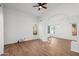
<point>40,5</point>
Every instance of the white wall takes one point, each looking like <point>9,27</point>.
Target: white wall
<point>62,18</point>
<point>1,31</point>
<point>18,25</point>
<point>63,26</point>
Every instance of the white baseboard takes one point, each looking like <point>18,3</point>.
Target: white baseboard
<point>19,40</point>
<point>44,40</point>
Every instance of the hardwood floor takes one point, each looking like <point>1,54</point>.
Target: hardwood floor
<point>38,48</point>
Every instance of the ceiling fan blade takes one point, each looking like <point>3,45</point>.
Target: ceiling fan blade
<point>44,7</point>
<point>39,4</point>
<point>43,3</point>
<point>36,6</point>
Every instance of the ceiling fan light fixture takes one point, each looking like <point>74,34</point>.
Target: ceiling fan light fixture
<point>40,7</point>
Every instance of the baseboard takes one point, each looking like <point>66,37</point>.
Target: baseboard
<point>44,40</point>
<point>21,41</point>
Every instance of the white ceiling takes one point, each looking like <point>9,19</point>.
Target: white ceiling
<point>33,11</point>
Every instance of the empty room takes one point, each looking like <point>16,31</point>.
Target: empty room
<point>39,29</point>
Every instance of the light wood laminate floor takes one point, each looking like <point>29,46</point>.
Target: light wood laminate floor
<point>38,48</point>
